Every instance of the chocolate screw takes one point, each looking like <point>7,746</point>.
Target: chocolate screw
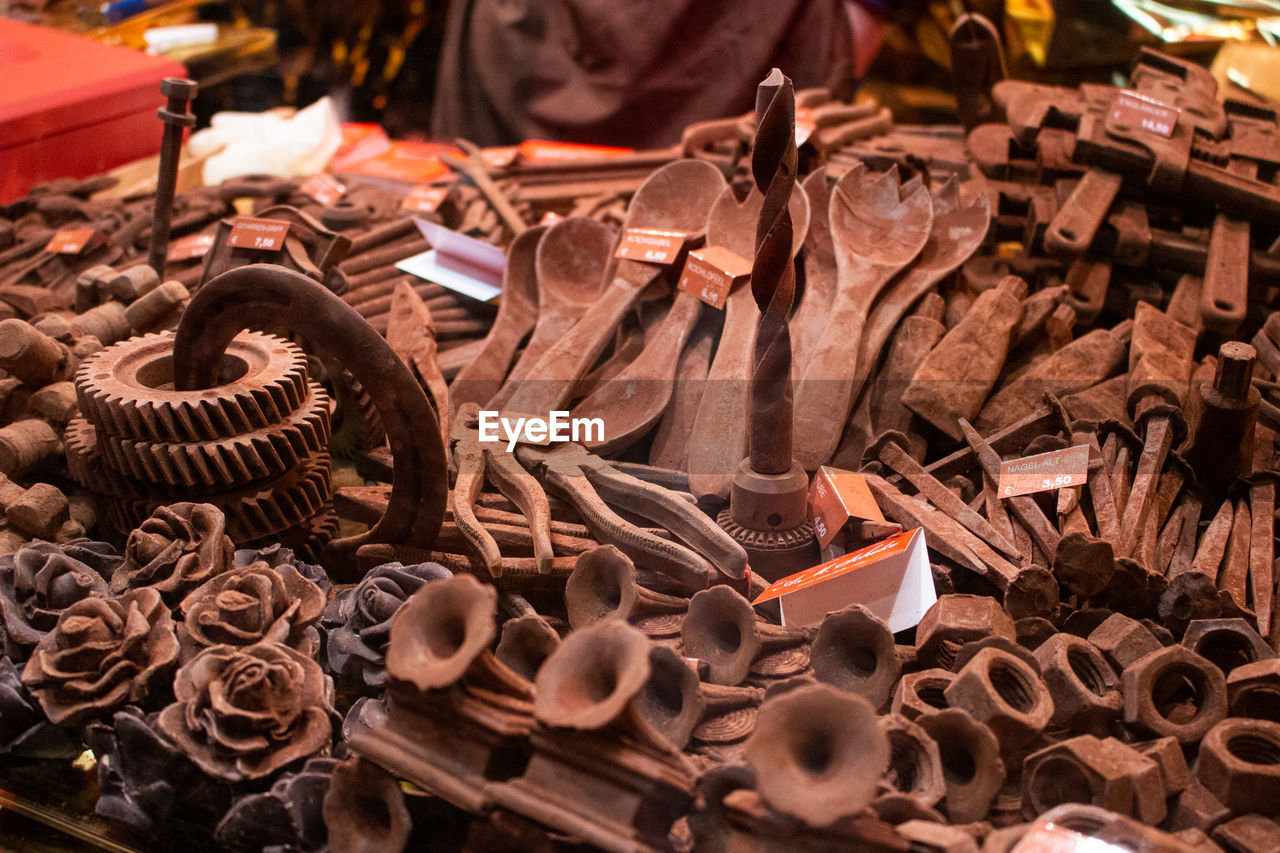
<point>175,117</point>
<point>769,490</point>
<point>1222,446</point>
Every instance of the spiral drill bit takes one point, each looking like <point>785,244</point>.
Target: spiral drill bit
<point>767,511</point>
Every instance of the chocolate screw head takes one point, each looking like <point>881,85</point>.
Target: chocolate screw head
<point>175,117</point>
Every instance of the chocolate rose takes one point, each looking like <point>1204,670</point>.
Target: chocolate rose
<point>142,778</point>
<point>276,556</point>
<point>287,817</point>
<point>102,653</point>
<point>243,713</point>
<point>175,550</point>
<point>358,620</point>
<point>243,606</point>
<point>23,728</point>
<point>39,581</point>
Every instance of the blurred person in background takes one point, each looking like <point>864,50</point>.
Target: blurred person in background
<point>612,72</point>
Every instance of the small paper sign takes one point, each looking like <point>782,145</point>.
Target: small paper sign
<point>651,245</point>
<point>465,264</point>
<point>324,188</point>
<point>1139,111</point>
<point>540,150</point>
<point>805,125</point>
<point>190,246</point>
<point>1045,472</point>
<point>424,199</point>
<point>70,242</point>
<point>710,273</point>
<point>891,578</point>
<point>837,496</point>
<point>265,234</point>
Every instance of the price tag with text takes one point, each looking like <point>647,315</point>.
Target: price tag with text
<point>1058,469</point>
<point>1138,111</point>
<point>424,199</point>
<point>70,242</point>
<point>711,273</point>
<point>324,188</point>
<point>265,234</point>
<point>651,245</point>
<point>835,497</point>
<point>190,246</point>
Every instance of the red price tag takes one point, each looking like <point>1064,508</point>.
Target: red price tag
<point>70,242</point>
<point>711,273</point>
<point>190,246</point>
<point>651,245</point>
<point>424,199</point>
<point>1044,472</point>
<point>544,151</point>
<point>324,188</point>
<point>1138,112</point>
<point>265,234</point>
<point>835,497</point>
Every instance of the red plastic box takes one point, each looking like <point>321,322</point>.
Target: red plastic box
<point>70,107</point>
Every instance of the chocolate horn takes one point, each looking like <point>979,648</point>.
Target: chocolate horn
<point>854,651</point>
<point>722,629</point>
<point>818,754</point>
<point>593,677</point>
<point>527,641</point>
<point>441,630</point>
<point>670,700</point>
<point>603,584</point>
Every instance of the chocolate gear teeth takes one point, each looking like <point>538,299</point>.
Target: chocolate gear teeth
<point>126,390</point>
<point>252,514</point>
<point>226,462</point>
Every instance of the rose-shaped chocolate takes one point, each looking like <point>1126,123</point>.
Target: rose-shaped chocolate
<point>175,550</point>
<point>243,606</point>
<point>39,581</point>
<point>142,778</point>
<point>23,728</point>
<point>276,556</point>
<point>358,620</point>
<point>102,653</point>
<point>243,713</point>
<point>287,817</point>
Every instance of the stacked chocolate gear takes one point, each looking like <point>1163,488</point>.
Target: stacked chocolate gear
<point>255,446</point>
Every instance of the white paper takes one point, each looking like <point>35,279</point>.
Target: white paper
<point>461,263</point>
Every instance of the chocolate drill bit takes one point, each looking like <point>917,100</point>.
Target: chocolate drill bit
<point>768,498</point>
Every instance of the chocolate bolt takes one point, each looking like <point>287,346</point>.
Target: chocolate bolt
<point>29,354</point>
<point>26,443</point>
<point>1222,438</point>
<point>176,118</point>
<point>768,506</point>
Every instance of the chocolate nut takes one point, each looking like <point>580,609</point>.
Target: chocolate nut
<point>1086,769</point>
<point>971,765</point>
<point>1003,692</point>
<point>1084,687</point>
<point>1240,764</point>
<point>921,693</point>
<point>1166,752</point>
<point>915,766</point>
<point>1196,808</point>
<point>1248,833</point>
<point>1226,643</point>
<point>1123,640</point>
<point>954,620</point>
<point>1253,690</point>
<point>1174,692</point>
